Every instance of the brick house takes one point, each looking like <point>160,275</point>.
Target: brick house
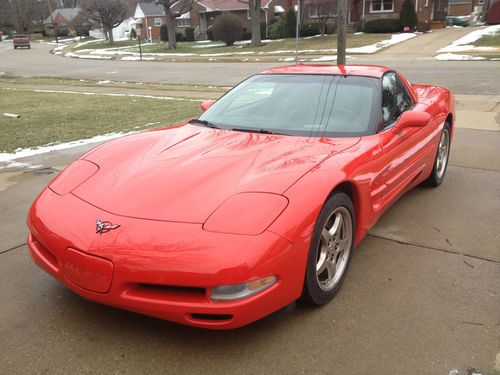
<point>430,12</point>
<point>203,14</point>
<point>68,18</point>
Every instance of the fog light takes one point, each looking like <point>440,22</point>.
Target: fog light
<point>241,291</point>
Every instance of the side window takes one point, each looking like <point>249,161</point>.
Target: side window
<point>395,98</point>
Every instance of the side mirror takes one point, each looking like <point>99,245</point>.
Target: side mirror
<point>207,104</point>
<point>412,119</point>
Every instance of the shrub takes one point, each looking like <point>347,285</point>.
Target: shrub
<point>408,16</point>
<point>228,28</point>
<point>164,33</point>
<point>290,26</point>
<point>133,33</point>
<point>180,37</point>
<point>310,29</point>
<point>383,25</point>
<point>189,34</point>
<point>276,29</point>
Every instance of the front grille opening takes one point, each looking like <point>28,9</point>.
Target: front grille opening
<point>173,289</point>
<point>45,253</point>
<point>212,317</point>
<point>167,293</point>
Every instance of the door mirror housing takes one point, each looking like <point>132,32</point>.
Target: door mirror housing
<point>412,119</point>
<point>207,104</point>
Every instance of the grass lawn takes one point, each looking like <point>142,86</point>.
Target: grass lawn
<point>54,118</point>
<point>93,83</point>
<point>317,43</point>
<point>488,41</point>
<point>102,45</point>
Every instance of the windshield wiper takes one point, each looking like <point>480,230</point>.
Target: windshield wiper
<point>206,123</point>
<point>260,131</point>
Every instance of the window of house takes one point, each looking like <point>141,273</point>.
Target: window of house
<point>382,6</point>
<point>313,11</point>
<point>158,22</point>
<point>183,22</point>
<point>480,2</point>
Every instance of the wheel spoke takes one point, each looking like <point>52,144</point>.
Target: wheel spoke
<point>321,264</point>
<point>330,268</point>
<point>337,224</point>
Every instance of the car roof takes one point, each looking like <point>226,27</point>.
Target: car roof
<point>353,70</point>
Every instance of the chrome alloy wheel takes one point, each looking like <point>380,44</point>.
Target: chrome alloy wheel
<point>334,249</point>
<point>442,154</point>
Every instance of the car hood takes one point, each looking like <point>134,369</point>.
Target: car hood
<point>183,174</point>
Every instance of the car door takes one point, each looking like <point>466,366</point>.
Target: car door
<point>404,149</point>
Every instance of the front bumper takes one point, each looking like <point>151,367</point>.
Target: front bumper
<point>161,269</point>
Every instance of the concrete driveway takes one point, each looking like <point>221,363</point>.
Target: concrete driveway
<point>421,297</point>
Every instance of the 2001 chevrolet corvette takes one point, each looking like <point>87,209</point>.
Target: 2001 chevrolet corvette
<point>223,220</point>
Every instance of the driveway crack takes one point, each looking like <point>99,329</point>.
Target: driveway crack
<point>12,248</point>
<point>456,252</point>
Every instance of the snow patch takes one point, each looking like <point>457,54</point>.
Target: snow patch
<point>325,58</point>
<point>455,57</point>
<point>465,43</point>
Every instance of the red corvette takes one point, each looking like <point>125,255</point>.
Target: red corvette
<point>261,201</point>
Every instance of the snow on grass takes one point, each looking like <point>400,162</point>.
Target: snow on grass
<point>124,53</point>
<point>325,58</point>
<point>6,159</point>
<point>465,43</point>
<point>26,152</point>
<point>455,57</point>
<point>372,48</point>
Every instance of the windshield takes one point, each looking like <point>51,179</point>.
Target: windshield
<point>307,105</point>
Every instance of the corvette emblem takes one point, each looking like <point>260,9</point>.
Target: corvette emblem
<point>104,226</point>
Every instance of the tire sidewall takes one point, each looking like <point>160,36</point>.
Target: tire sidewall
<point>434,176</point>
<point>312,292</point>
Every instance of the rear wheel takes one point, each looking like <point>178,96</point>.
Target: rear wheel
<point>330,250</point>
<point>441,160</point>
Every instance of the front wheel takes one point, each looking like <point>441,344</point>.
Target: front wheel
<point>441,161</point>
<point>330,250</point>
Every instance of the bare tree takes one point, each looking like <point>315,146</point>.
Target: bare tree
<point>109,13</point>
<point>325,9</point>
<point>254,10</point>
<point>183,6</point>
<point>22,11</point>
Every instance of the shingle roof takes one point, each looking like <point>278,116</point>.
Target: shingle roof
<point>151,9</point>
<point>212,5</point>
<point>68,13</point>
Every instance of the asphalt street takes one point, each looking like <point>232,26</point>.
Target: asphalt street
<point>422,295</point>
<point>415,58</point>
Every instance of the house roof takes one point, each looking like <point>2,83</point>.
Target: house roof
<point>68,13</point>
<point>151,9</point>
<point>217,5</point>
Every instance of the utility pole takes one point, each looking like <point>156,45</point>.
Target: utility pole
<point>297,34</point>
<point>52,20</point>
<point>341,31</point>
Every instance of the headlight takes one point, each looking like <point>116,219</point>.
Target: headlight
<point>241,291</point>
<point>246,213</point>
<point>73,176</point>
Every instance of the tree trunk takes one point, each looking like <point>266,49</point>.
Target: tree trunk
<point>110,33</point>
<point>255,6</point>
<point>172,41</point>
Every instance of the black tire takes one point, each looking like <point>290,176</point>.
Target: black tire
<point>439,172</point>
<point>312,292</point>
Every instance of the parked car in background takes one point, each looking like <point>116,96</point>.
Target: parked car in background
<point>21,41</point>
<point>458,20</point>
